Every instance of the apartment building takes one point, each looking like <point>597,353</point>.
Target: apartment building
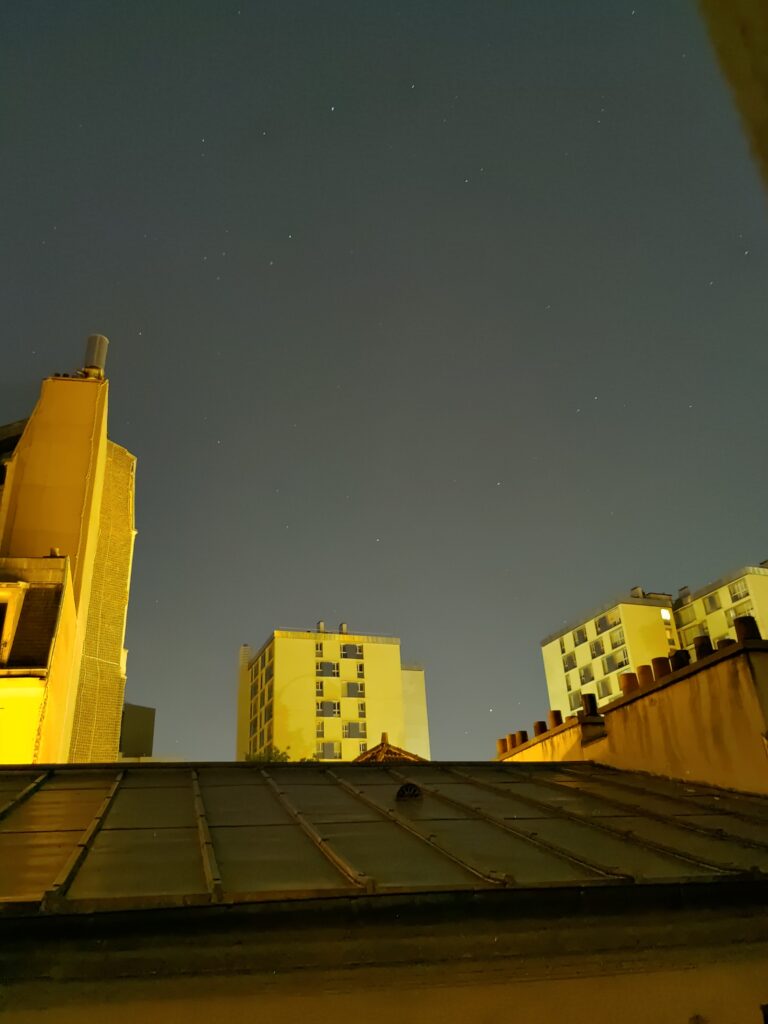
<point>324,694</point>
<point>710,610</point>
<point>589,654</point>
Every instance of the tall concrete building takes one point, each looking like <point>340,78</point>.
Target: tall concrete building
<point>66,549</point>
<point>589,654</point>
<point>323,694</point>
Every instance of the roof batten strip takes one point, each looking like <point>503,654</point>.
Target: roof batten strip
<point>55,895</point>
<point>25,794</point>
<point>492,876</point>
<point>501,823</point>
<point>349,871</point>
<point>207,852</point>
<point>600,826</point>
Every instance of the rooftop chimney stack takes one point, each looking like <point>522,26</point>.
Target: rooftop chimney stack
<point>95,356</point>
<point>321,626</point>
<point>342,627</point>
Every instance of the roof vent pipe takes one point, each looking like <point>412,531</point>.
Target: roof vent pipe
<point>321,626</point>
<point>96,355</point>
<point>342,627</point>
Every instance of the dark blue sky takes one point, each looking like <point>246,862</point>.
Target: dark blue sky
<point>445,319</point>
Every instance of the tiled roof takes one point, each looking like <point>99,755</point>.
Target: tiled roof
<point>386,752</point>
<point>77,839</point>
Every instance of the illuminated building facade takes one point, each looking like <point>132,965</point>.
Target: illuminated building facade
<point>66,549</point>
<point>320,694</point>
<point>589,655</point>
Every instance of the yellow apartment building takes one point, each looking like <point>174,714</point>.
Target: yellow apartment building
<point>66,550</point>
<point>326,695</point>
<point>710,610</point>
<point>588,655</point>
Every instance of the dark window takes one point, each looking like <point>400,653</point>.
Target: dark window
<point>329,751</point>
<point>361,671</point>
<point>354,730</point>
<point>586,675</point>
<point>361,709</point>
<point>319,649</point>
<point>328,709</point>
<point>351,650</point>
<point>597,649</point>
<point>569,662</point>
<point>327,668</point>
<point>318,687</point>
<point>354,689</point>
<point>579,636</point>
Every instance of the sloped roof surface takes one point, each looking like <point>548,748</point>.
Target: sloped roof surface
<point>79,839</point>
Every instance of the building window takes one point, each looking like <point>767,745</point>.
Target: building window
<point>712,603</point>
<point>666,614</point>
<point>327,668</point>
<point>604,688</point>
<point>270,672</point>
<point>739,609</point>
<point>351,650</point>
<point>574,699</point>
<point>579,636</point>
<point>261,738</point>
<point>363,747</point>
<point>586,675</point>
<point>354,730</point>
<point>614,661</point>
<point>617,638</point>
<point>562,645</point>
<point>361,709</point>
<point>268,713</point>
<point>253,690</point>
<point>319,649</point>
<point>569,662</point>
<point>320,728</point>
<point>263,661</point>
<point>253,727</point>
<point>328,708</point>
<point>687,635</point>
<point>354,689</point>
<point>270,691</point>
<point>685,615</point>
<point>329,751</point>
<point>319,687</point>
<point>607,621</point>
<point>360,670</point>
<point>597,649</point>
<point>738,590</point>
<point>568,682</point>
<point>262,698</point>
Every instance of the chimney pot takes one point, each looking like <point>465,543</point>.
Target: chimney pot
<point>321,626</point>
<point>539,728</point>
<point>589,703</point>
<point>511,741</point>
<point>661,667</point>
<point>501,746</point>
<point>725,643</point>
<point>702,646</point>
<point>96,355</point>
<point>645,675</point>
<point>628,682</point>
<point>521,736</point>
<point>554,718</point>
<point>679,659</point>
<point>342,627</point>
<point>746,628</point>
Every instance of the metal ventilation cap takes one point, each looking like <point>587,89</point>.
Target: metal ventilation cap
<point>96,355</point>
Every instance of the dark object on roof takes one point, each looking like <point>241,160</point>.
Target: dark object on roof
<point>137,731</point>
<point>387,752</point>
<point>84,839</point>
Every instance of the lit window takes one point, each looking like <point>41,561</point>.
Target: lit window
<point>666,614</point>
<point>738,590</point>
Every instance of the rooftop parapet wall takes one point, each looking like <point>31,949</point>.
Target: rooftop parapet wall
<point>706,722</point>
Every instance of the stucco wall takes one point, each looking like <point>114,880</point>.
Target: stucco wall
<point>706,726</point>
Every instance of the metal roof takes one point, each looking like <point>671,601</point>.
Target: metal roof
<point>80,839</point>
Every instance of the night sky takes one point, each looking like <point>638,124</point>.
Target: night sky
<point>447,319</point>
